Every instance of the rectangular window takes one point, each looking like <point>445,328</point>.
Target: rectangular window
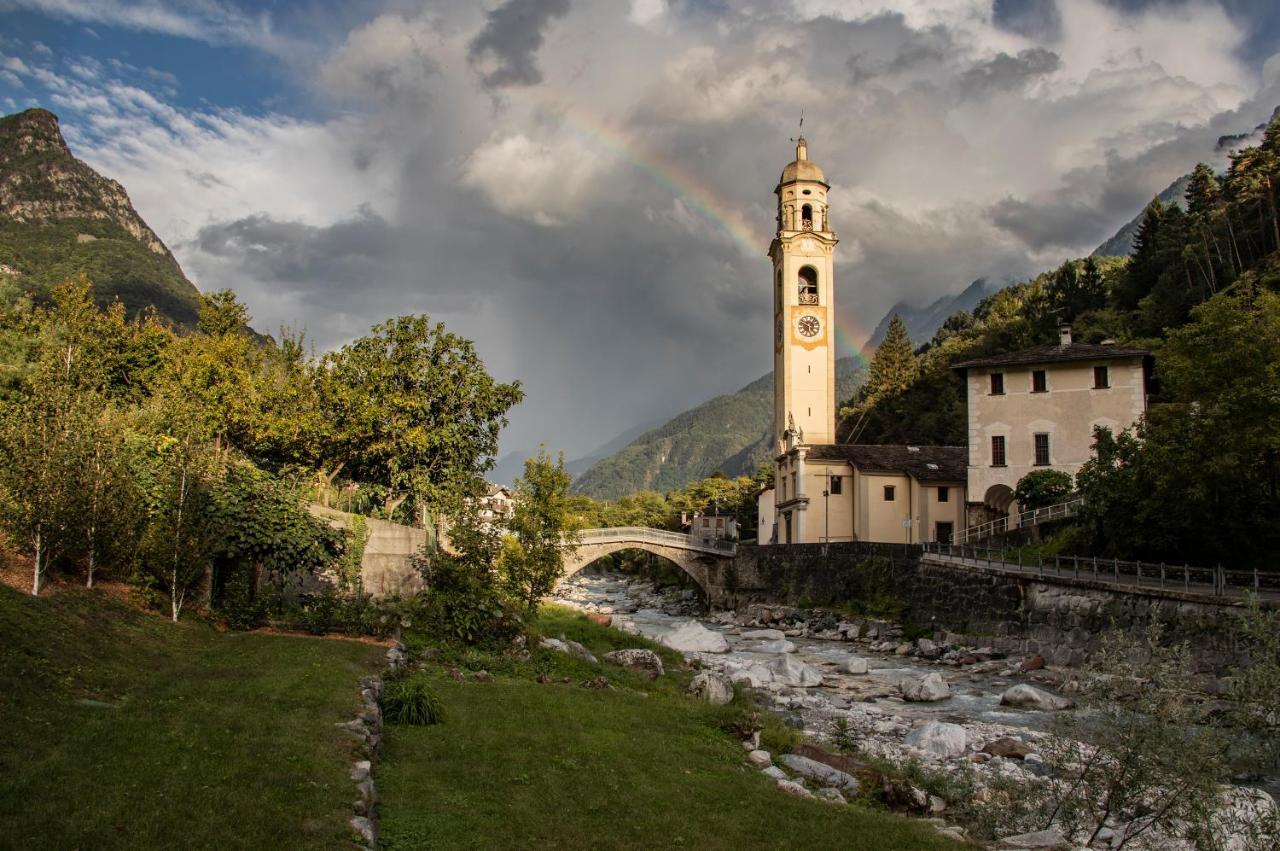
<point>795,492</point>
<point>1101,380</point>
<point>997,450</point>
<point>997,384</point>
<point>835,485</point>
<point>1039,382</point>
<point>1042,450</point>
<point>889,492</point>
<point>944,494</point>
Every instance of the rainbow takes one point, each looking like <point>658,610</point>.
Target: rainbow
<point>696,194</point>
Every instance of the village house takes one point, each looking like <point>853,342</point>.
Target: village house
<point>1037,409</point>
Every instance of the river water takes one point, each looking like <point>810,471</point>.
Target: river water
<point>803,677</point>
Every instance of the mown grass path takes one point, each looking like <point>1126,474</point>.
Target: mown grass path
<point>122,730</point>
<point>519,764</point>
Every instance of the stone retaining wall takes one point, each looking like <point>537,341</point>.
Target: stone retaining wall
<point>1063,620</point>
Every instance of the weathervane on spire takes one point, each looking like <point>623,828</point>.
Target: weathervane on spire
<point>793,138</point>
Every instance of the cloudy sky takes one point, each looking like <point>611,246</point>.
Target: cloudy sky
<point>584,187</point>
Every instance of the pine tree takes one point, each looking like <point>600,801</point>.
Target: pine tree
<point>1203,199</point>
<point>1144,266</point>
<point>1093,289</point>
<point>894,366</point>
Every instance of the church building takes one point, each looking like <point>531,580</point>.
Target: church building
<point>824,491</point>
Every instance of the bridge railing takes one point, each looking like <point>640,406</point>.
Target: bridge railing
<point>1024,520</point>
<point>1211,581</point>
<point>644,534</point>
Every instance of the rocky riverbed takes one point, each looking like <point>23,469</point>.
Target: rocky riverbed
<point>949,708</point>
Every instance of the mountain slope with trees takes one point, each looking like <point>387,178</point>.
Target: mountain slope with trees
<point>730,434</point>
<point>59,218</point>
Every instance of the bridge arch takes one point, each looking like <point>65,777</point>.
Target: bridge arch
<point>691,555</point>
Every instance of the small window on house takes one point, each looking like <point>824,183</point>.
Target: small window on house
<point>835,486</point>
<point>889,492</point>
<point>997,450</point>
<point>706,523</point>
<point>719,523</point>
<point>944,494</point>
<point>1042,450</point>
<point>1039,382</point>
<point>997,384</point>
<point>1101,378</point>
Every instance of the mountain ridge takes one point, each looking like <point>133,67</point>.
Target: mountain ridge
<point>60,218</point>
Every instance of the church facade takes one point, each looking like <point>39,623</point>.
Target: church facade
<point>1027,410</point>
<point>824,491</point>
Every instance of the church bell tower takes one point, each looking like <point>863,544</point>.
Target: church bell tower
<point>803,255</point>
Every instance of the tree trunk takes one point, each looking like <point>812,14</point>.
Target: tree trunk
<point>1275,220</point>
<point>174,599</point>
<point>35,580</point>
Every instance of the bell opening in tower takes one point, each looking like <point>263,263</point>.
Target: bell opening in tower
<point>806,217</point>
<point>807,282</point>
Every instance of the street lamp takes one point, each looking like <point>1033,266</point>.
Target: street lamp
<point>826,509</point>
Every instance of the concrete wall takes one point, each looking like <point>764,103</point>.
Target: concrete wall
<point>386,568</point>
<point>1062,620</point>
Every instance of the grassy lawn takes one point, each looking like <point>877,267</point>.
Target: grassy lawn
<point>121,730</point>
<point>519,764</point>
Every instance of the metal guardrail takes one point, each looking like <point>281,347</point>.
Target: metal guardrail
<point>644,534</point>
<point>1024,520</point>
<point>1123,575</point>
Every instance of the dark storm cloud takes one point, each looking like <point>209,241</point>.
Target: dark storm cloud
<point>512,35</point>
<point>1037,19</point>
<point>1005,72</point>
<point>1052,224</point>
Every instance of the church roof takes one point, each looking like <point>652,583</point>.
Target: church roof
<point>1054,353</point>
<point>923,463</point>
<point>802,168</point>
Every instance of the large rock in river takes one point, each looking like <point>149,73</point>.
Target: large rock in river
<point>1024,696</point>
<point>939,737</point>
<point>854,665</point>
<point>928,688</point>
<point>792,672</point>
<point>693,637</point>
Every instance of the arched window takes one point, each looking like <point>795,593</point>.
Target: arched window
<point>808,284</point>
<point>806,217</point>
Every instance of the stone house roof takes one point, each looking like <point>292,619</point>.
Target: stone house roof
<point>923,463</point>
<point>1055,353</point>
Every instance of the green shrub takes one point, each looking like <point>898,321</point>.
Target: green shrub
<point>1042,488</point>
<point>410,701</point>
<point>238,605</point>
<point>320,612</point>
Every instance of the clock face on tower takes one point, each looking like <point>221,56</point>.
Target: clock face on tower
<point>809,325</point>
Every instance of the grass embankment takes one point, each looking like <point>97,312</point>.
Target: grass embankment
<point>522,764</point>
<point>119,729</point>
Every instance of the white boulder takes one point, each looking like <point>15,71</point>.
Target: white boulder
<point>760,759</point>
<point>790,671</point>
<point>819,772</point>
<point>1023,696</point>
<point>940,738</point>
<point>572,648</point>
<point>929,688</point>
<point>756,676</point>
<point>712,687</point>
<point>793,788</point>
<point>693,637</point>
<point>639,658</point>
<point>854,665</point>
<point>780,645</point>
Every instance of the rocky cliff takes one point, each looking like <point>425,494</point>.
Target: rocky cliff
<point>59,218</point>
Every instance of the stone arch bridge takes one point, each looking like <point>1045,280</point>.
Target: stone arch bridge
<point>698,557</point>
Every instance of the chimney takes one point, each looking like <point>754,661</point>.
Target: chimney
<point>1064,334</point>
